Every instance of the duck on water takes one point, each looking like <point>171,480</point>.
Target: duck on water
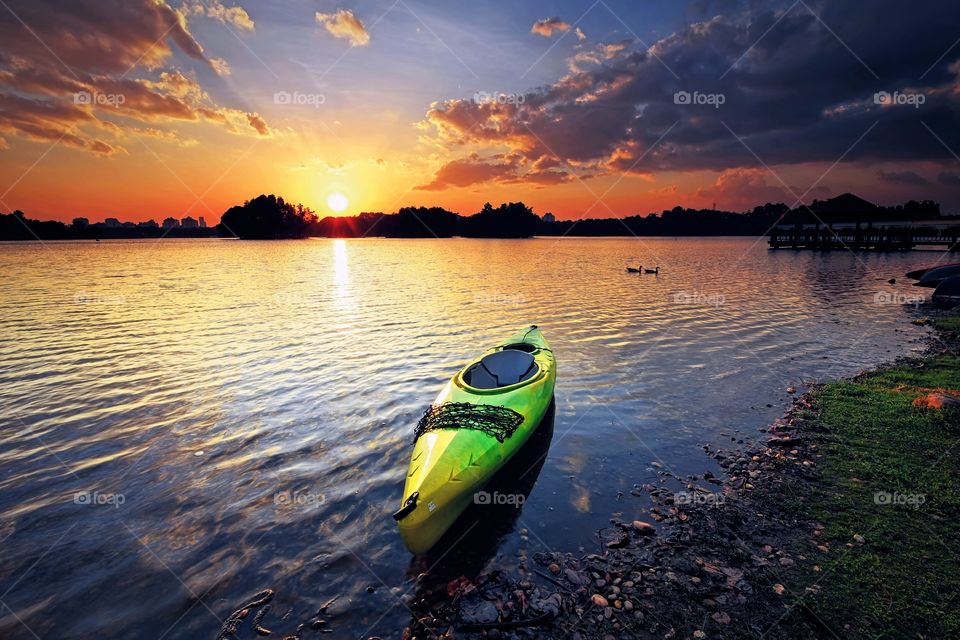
<point>640,269</point>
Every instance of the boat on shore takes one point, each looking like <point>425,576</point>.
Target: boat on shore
<point>932,276</point>
<point>947,293</point>
<point>479,421</point>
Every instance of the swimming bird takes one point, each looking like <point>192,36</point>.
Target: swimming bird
<point>637,270</point>
<point>656,271</point>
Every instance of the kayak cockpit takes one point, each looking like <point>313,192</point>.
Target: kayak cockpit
<point>501,369</point>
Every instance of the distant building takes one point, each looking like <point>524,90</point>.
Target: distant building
<point>170,223</point>
<point>149,224</point>
<point>549,217</point>
<point>203,223</point>
<point>111,223</point>
<point>188,223</point>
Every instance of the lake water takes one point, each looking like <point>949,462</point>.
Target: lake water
<point>185,423</point>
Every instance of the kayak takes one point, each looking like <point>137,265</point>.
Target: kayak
<point>931,277</point>
<point>479,421</point>
<point>947,292</point>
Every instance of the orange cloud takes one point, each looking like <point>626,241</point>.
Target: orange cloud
<point>548,26</point>
<point>344,24</point>
<point>233,16</point>
<point>112,36</point>
<point>45,99</point>
<point>503,168</point>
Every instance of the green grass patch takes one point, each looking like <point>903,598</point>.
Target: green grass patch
<point>890,473</point>
<point>949,323</point>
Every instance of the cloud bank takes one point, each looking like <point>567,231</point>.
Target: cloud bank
<point>769,87</point>
<point>69,78</point>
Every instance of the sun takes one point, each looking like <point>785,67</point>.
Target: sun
<point>337,202</point>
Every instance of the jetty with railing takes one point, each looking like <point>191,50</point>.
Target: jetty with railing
<point>890,236</point>
<point>850,222</point>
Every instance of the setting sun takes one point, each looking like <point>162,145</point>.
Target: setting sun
<point>337,202</point>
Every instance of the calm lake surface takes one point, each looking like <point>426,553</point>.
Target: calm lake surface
<point>185,423</point>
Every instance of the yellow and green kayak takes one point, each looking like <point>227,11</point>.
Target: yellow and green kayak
<point>481,418</point>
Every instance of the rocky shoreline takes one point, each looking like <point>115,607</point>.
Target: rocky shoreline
<point>710,567</point>
<point>731,557</point>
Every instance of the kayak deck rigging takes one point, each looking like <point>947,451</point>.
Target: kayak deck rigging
<point>499,422</point>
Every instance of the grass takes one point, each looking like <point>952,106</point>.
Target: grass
<point>950,323</point>
<point>903,580</point>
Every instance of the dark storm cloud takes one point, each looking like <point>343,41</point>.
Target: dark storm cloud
<point>799,85</point>
<point>902,177</point>
<point>949,179</point>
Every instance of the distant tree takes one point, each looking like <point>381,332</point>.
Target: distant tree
<point>268,217</point>
<point>421,222</point>
<point>509,220</point>
<point>80,223</point>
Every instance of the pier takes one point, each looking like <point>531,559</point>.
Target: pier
<point>890,236</point>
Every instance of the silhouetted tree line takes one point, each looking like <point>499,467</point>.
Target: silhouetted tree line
<point>850,208</point>
<point>509,220</point>
<point>678,221</point>
<point>268,218</point>
<point>271,217</point>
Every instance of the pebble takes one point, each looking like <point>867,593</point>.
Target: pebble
<point>573,576</point>
<point>644,528</point>
<point>554,568</point>
<point>599,600</point>
<point>722,617</point>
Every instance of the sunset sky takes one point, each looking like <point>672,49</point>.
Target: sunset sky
<point>142,109</point>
